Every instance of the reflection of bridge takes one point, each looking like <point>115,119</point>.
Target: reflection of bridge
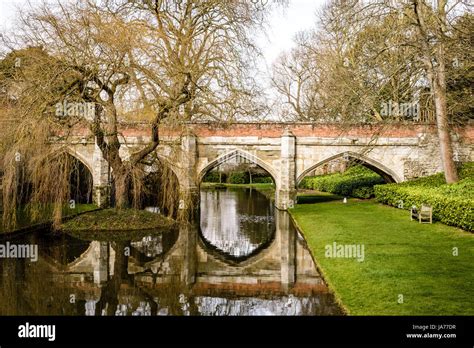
<point>287,151</point>
<point>105,278</point>
<point>285,261</point>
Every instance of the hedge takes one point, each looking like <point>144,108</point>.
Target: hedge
<point>244,178</point>
<point>262,180</point>
<point>453,204</point>
<point>357,181</point>
<point>238,177</point>
<point>213,177</point>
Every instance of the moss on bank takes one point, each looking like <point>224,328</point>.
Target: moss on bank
<point>118,220</point>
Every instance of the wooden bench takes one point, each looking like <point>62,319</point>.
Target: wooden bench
<point>424,215</point>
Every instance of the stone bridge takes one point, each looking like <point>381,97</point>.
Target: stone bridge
<point>287,151</point>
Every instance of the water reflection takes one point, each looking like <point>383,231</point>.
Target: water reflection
<point>285,305</point>
<point>236,222</point>
<point>170,273</point>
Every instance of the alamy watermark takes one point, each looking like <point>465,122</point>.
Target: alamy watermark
<point>37,331</point>
<point>19,251</point>
<point>395,109</point>
<point>76,109</point>
<point>355,251</point>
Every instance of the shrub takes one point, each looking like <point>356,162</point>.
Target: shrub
<point>262,180</point>
<point>452,203</point>
<point>238,178</point>
<point>364,192</point>
<point>357,181</point>
<point>213,177</point>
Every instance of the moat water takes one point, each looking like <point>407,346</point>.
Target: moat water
<point>243,257</point>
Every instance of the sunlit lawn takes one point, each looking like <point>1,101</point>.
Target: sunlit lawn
<point>402,257</point>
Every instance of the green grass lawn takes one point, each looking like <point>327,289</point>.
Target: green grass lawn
<point>402,257</point>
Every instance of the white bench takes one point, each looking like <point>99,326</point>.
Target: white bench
<point>423,215</point>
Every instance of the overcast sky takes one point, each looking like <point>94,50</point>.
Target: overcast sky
<point>284,24</point>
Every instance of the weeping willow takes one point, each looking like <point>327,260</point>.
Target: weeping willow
<point>40,177</point>
<point>41,185</point>
<point>161,188</point>
<point>38,186</point>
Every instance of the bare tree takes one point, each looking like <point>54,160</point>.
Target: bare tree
<point>431,23</point>
<point>346,67</point>
<point>368,53</point>
<point>165,61</point>
<point>295,77</point>
<point>429,31</point>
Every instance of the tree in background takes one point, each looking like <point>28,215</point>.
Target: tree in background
<point>460,72</point>
<point>370,54</point>
<point>350,67</point>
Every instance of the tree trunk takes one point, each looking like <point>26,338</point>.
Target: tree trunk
<point>437,77</point>
<point>439,90</point>
<point>122,189</point>
<point>445,145</point>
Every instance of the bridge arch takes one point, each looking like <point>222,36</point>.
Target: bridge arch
<point>82,176</point>
<point>238,153</point>
<point>386,173</point>
<point>256,256</point>
<point>81,158</point>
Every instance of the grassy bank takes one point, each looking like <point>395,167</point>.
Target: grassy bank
<point>402,257</point>
<point>24,220</point>
<point>118,220</point>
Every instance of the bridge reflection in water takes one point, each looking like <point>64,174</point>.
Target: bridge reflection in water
<point>246,258</point>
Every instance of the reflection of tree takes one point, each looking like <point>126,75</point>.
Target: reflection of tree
<point>25,291</point>
<point>109,296</point>
<point>151,247</point>
<point>174,297</point>
<point>108,300</point>
<point>11,278</point>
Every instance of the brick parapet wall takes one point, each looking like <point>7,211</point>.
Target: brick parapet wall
<point>275,130</point>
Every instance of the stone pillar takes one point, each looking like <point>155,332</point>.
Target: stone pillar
<point>100,176</point>
<point>286,188</point>
<point>100,262</point>
<point>188,232</point>
<point>288,249</point>
<point>189,190</point>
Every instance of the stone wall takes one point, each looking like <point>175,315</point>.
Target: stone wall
<point>288,152</point>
